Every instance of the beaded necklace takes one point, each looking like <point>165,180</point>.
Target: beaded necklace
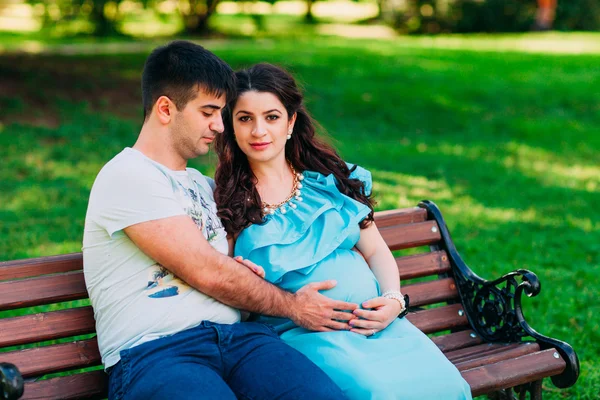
<point>295,195</point>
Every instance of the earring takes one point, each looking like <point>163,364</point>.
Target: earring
<point>289,135</point>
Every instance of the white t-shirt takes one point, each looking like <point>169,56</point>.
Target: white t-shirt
<point>136,300</point>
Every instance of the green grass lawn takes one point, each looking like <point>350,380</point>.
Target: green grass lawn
<point>504,140</point>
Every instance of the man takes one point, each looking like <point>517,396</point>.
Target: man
<point>164,292</point>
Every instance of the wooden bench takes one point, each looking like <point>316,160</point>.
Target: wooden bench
<point>478,324</point>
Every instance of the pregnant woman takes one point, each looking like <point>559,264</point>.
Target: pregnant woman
<point>298,210</point>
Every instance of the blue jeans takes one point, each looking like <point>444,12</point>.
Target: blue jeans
<point>246,360</point>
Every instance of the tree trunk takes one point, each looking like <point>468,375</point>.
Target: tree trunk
<point>309,17</point>
<point>380,5</point>
<point>102,25</point>
<point>197,24</point>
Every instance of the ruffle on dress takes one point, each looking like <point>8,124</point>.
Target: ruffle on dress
<point>294,241</point>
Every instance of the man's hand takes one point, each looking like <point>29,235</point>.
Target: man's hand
<point>316,312</point>
<point>383,312</point>
<point>257,269</point>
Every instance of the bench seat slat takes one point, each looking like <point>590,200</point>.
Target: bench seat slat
<point>438,319</point>
<point>413,235</point>
<point>46,326</point>
<point>501,354</point>
<point>431,292</point>
<point>420,265</point>
<point>513,372</point>
<point>399,217</point>
<point>89,385</point>
<point>55,358</point>
<point>479,350</point>
<point>456,340</point>
<point>42,290</point>
<point>40,266</point>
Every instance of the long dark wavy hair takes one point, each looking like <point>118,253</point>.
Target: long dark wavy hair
<point>238,201</point>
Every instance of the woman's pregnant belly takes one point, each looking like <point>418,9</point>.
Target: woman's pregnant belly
<point>355,281</point>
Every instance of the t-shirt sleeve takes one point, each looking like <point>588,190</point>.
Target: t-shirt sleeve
<point>211,183</point>
<point>358,172</point>
<point>126,194</point>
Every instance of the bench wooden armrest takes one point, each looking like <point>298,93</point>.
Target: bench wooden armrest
<point>494,309</point>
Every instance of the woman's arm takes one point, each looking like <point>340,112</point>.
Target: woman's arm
<point>380,258</point>
<point>379,312</point>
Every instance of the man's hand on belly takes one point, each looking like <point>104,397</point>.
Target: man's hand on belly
<point>317,312</point>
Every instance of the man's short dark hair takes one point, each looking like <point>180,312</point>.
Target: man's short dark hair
<point>178,69</point>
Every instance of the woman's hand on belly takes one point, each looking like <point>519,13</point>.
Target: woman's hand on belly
<point>375,316</point>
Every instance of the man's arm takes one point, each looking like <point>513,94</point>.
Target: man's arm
<point>178,245</point>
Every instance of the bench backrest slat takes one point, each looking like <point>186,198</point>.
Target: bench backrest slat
<point>55,358</point>
<point>71,286</point>
<point>43,290</point>
<point>40,266</point>
<point>413,235</point>
<point>399,217</point>
<point>439,318</point>
<point>420,265</point>
<point>426,293</point>
<point>46,326</point>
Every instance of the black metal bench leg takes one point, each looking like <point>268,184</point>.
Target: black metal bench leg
<point>533,388</point>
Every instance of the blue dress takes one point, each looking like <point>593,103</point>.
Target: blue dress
<point>314,243</point>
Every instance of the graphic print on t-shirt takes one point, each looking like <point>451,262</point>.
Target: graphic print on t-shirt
<point>161,282</point>
<point>192,208</point>
<point>213,222</point>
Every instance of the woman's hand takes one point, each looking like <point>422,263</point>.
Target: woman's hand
<point>375,316</point>
<point>257,269</point>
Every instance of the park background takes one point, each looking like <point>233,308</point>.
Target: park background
<point>452,101</point>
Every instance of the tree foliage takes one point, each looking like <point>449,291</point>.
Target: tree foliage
<point>433,16</point>
<point>104,16</point>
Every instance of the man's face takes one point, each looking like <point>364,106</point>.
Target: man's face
<point>194,128</point>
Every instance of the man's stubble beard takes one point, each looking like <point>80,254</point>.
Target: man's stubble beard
<point>183,143</point>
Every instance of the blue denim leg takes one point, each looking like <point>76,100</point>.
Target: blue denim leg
<point>187,365</point>
<point>258,365</point>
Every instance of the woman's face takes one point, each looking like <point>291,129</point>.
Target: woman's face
<point>261,126</point>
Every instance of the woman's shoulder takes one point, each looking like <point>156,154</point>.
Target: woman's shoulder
<point>356,172</point>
